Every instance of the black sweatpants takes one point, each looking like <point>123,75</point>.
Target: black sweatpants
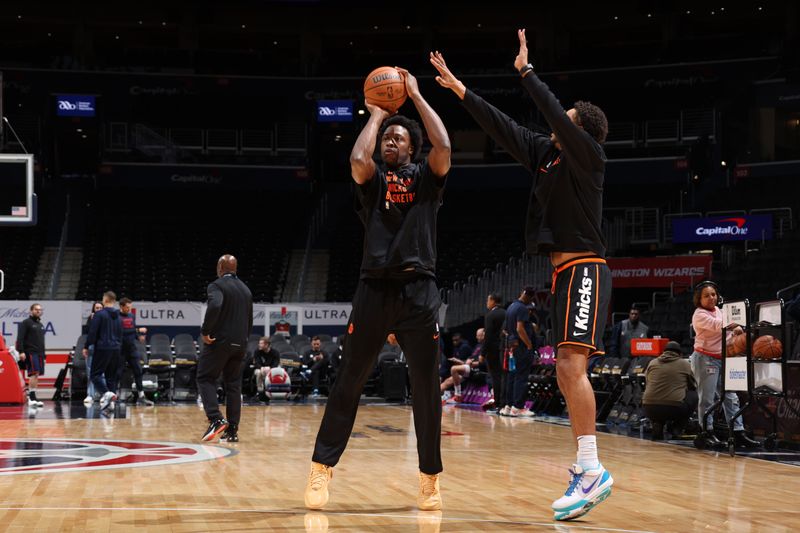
<point>409,309</point>
<point>517,390</point>
<point>225,360</point>
<point>494,362</point>
<point>105,368</point>
<point>130,355</point>
<point>318,371</point>
<point>678,414</point>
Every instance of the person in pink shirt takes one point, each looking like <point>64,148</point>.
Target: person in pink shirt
<point>707,362</point>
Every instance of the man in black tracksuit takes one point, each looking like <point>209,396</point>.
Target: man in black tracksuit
<point>564,222</point>
<point>30,345</point>
<point>397,201</point>
<point>492,350</point>
<point>226,329</point>
<point>105,334</point>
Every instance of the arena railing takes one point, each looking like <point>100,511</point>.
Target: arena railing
<point>314,227</point>
<point>466,301</point>
<point>55,281</point>
<point>782,219</point>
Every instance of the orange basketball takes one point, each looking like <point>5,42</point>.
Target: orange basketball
<point>767,347</point>
<point>384,87</point>
<point>737,346</point>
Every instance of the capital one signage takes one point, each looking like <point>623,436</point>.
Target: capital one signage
<point>740,228</point>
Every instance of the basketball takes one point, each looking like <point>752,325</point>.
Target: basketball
<point>737,346</point>
<point>385,88</point>
<point>767,347</point>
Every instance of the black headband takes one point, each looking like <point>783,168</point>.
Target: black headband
<point>708,283</point>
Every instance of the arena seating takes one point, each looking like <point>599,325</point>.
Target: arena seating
<point>475,232</point>
<point>347,243</point>
<point>20,250</point>
<point>169,250</point>
<point>759,274</point>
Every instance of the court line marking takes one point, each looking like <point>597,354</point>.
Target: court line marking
<point>337,513</point>
<point>209,451</point>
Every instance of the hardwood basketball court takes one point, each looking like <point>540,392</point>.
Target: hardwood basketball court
<point>500,474</point>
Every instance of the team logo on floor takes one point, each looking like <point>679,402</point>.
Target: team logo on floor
<point>23,456</point>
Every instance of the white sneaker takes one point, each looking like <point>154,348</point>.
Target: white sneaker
<point>522,413</point>
<point>505,411</point>
<point>513,412</point>
<point>107,399</point>
<point>88,400</point>
<point>35,403</point>
<point>586,489</point>
<point>147,401</point>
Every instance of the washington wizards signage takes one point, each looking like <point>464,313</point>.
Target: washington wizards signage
<point>738,228</point>
<point>39,456</point>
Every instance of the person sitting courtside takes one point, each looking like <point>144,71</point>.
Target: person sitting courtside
<point>669,396</point>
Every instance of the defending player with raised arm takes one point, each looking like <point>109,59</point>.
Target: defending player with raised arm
<point>563,222</point>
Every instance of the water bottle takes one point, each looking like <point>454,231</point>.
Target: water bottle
<point>512,365</point>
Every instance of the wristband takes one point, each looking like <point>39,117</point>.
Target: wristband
<point>525,70</point>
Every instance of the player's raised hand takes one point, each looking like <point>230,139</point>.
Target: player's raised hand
<point>412,87</point>
<point>445,77</point>
<point>373,109</point>
<point>522,56</point>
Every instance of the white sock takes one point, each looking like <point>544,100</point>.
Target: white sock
<point>458,389</point>
<point>587,452</point>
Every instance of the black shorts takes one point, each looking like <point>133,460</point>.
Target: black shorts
<point>581,295</point>
<point>34,363</point>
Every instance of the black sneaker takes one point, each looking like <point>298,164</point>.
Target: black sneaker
<point>215,428</point>
<point>231,434</point>
<point>712,441</point>
<point>743,441</point>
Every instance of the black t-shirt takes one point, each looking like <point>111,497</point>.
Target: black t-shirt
<point>270,358</point>
<point>565,207</point>
<point>398,209</point>
<point>493,326</point>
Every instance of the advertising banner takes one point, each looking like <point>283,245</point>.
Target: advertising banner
<point>331,314</point>
<point>64,320</point>
<point>168,313</point>
<point>61,320</point>
<point>156,175</point>
<point>736,374</point>
<point>334,111</point>
<point>739,228</point>
<point>75,105</point>
<point>630,272</point>
<point>306,318</point>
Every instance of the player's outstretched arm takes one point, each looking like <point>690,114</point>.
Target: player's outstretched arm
<point>524,145</point>
<point>570,135</point>
<point>445,77</point>
<point>362,167</point>
<point>439,157</point>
